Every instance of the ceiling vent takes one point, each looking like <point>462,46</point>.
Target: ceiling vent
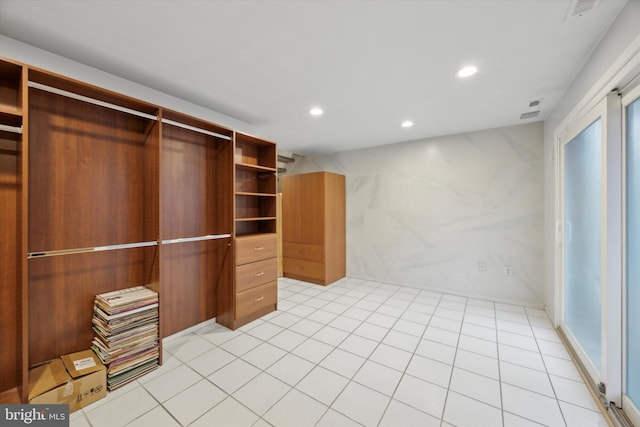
<point>578,8</point>
<point>529,115</point>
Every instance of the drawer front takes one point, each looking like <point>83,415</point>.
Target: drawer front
<point>303,251</point>
<point>300,267</point>
<point>254,299</point>
<point>255,248</point>
<point>257,273</point>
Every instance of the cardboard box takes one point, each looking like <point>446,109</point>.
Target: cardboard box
<point>77,379</point>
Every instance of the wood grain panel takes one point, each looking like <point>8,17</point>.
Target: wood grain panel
<point>191,275</point>
<point>61,294</point>
<point>335,227</point>
<point>304,251</point>
<point>255,248</point>
<point>87,174</point>
<point>255,299</point>
<point>256,273</point>
<point>9,285</point>
<point>311,271</point>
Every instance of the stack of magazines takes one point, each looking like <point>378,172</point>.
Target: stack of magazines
<point>126,339</point>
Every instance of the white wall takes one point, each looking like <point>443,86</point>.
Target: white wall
<point>425,213</point>
<point>623,32</point>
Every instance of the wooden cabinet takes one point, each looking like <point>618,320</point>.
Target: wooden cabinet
<point>254,292</point>
<point>101,192</point>
<point>313,227</point>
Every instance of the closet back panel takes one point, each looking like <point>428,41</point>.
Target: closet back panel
<point>87,174</point>
<point>8,259</point>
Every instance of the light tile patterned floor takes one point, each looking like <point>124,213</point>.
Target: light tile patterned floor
<point>361,353</point>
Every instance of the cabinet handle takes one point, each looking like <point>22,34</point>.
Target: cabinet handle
<point>259,248</point>
<point>258,299</point>
<point>259,274</point>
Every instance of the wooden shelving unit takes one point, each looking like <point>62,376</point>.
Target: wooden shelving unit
<point>254,293</point>
<point>100,192</point>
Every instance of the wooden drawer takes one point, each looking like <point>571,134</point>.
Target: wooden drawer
<point>251,275</point>
<point>304,268</point>
<point>303,251</point>
<point>255,248</point>
<point>255,299</point>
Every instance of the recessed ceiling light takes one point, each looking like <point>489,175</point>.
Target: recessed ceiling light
<point>407,124</point>
<point>467,71</point>
<point>316,111</point>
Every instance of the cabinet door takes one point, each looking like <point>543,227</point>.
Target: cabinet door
<point>311,218</point>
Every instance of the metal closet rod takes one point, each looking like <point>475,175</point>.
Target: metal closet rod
<point>83,98</point>
<point>196,239</point>
<point>58,252</point>
<point>12,129</point>
<point>196,129</point>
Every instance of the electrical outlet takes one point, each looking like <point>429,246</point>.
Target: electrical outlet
<point>482,266</point>
<point>507,271</point>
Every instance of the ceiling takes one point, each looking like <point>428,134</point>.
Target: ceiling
<point>369,64</point>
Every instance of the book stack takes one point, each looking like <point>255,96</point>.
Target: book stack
<point>126,339</point>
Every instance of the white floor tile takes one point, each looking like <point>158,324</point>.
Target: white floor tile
<point>335,419</point>
<point>477,363</point>
<point>478,331</point>
<point>234,375</point>
<point>447,313</point>
<point>522,377</point>
<point>530,405</point>
<point>322,385</point>
<point>536,312</point>
<point>301,310</point>
<point>306,327</point>
<point>172,383</point>
<point>357,313</point>
<point>476,386</point>
<point>446,324</point>
<point>190,404</point>
<point>78,419</point>
<point>378,377</point>
<point>359,345</point>
<point>436,351</point>
<point>481,320</point>
<point>122,410</point>
<point>295,410</point>
<point>511,420</point>
<point>373,332</point>
<point>510,308</point>
<point>441,336</point>
<point>265,331</point>
<point>330,335</point>
<point>290,369</point>
<point>514,327</point>
<point>481,310</point>
<point>462,411</point>
<point>345,323</point>
<point>211,361</point>
<point>322,316</point>
<point>477,345</point>
<point>512,317</point>
<point>188,346</point>
<point>430,370</point>
<point>540,322</point>
<point>411,328</point>
<point>261,393</point>
<point>335,308</point>
<point>287,340</point>
<point>479,303</point>
<point>413,316</point>
<point>518,356</point>
<point>516,340</point>
<point>158,416</point>
<point>362,404</point>
<point>546,334</point>
<point>390,310</point>
<point>284,320</point>
<point>401,340</point>
<point>399,414</point>
<point>553,349</point>
<point>391,357</point>
<point>574,392</point>
<point>561,367</point>
<point>216,334</point>
<point>264,355</point>
<point>381,320</point>
<point>342,362</point>
<point>421,395</point>
<point>577,416</point>
<point>426,309</point>
<point>241,344</point>
<point>231,411</point>
<point>312,350</point>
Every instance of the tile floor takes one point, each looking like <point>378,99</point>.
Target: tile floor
<point>361,353</point>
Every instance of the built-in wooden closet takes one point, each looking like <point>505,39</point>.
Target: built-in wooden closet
<point>101,192</point>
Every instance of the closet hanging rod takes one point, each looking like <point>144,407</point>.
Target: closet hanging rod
<point>91,249</point>
<point>12,129</point>
<point>196,129</point>
<point>91,100</point>
<point>196,239</point>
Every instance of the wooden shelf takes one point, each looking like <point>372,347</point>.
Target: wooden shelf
<point>257,168</point>
<point>244,193</point>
